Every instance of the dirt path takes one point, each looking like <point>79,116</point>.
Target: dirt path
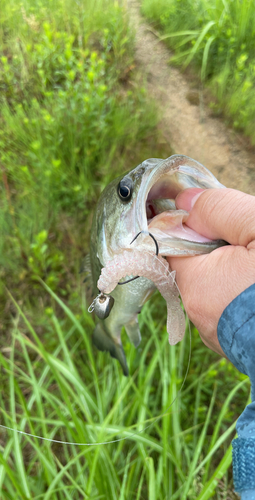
<point>187,128</point>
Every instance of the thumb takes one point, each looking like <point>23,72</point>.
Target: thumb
<point>225,214</point>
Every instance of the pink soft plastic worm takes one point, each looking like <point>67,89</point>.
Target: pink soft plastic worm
<point>157,270</point>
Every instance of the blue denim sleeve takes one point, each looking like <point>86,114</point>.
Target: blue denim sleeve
<point>236,334</point>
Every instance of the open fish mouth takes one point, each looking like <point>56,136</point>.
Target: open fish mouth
<point>156,211</point>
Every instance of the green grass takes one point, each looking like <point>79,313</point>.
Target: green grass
<point>74,112</point>
<point>70,118</point>
<point>73,393</point>
<point>217,37</point>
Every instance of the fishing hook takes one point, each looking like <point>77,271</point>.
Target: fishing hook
<point>157,251</point>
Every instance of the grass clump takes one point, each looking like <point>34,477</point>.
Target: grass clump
<point>64,393</point>
<point>70,116</point>
<point>217,38</point>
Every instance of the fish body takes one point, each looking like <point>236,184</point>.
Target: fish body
<point>142,201</point>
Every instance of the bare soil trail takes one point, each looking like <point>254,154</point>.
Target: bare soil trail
<point>187,128</point>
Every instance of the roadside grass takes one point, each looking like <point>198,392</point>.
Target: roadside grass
<point>217,38</point>
<point>71,117</point>
<point>177,444</point>
<point>73,113</point>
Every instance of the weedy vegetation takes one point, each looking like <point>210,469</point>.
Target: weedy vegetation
<point>74,113</point>
<point>217,38</point>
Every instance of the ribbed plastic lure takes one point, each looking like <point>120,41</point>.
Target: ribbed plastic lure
<point>155,269</point>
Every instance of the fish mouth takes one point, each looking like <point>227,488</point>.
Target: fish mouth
<point>156,210</point>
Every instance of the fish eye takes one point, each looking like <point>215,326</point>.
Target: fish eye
<point>125,189</point>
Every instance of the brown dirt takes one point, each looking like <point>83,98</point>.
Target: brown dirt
<point>189,128</point>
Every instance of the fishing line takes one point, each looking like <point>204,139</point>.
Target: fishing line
<point>151,235</point>
<point>134,433</point>
<point>157,250</point>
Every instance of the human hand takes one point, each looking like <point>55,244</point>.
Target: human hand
<point>208,283</point>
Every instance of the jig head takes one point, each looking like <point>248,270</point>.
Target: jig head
<point>102,305</point>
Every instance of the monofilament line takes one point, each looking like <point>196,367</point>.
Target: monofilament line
<point>134,433</point>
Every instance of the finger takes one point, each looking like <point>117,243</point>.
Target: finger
<point>208,283</point>
<point>225,214</point>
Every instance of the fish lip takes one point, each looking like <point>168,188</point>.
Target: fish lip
<point>194,175</point>
<point>148,181</point>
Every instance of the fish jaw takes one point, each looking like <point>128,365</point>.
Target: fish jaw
<point>163,183</point>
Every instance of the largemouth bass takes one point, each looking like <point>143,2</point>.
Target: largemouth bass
<point>141,201</point>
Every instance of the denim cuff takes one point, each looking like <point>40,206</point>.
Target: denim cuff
<point>236,332</point>
<point>243,455</point>
<point>248,495</point>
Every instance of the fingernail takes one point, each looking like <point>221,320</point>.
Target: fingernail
<point>187,198</point>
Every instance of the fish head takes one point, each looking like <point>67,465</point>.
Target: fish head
<point>143,200</point>
<point>115,216</point>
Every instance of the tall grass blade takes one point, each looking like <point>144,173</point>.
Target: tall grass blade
<point>205,57</point>
<point>213,482</point>
<point>193,51</point>
<point>151,478</point>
